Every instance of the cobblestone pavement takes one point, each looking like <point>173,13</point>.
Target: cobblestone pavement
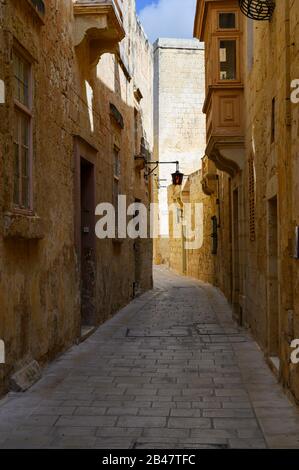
<point>171,370</point>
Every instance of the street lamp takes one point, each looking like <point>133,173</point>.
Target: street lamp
<point>259,10</point>
<point>177,177</point>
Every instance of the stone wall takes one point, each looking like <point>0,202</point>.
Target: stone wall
<point>291,376</point>
<point>202,263</point>
<point>258,203</point>
<point>40,253</point>
<point>179,122</point>
<point>272,309</point>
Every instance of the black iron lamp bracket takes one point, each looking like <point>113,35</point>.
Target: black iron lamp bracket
<point>156,164</point>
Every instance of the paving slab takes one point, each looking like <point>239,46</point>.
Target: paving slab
<point>170,370</point>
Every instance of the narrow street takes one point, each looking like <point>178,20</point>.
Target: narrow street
<point>170,370</point>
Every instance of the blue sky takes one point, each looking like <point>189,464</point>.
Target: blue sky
<point>167,18</point>
<point>142,3</point>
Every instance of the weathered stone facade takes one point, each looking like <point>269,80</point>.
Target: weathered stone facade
<point>179,132</point>
<point>195,262</point>
<point>272,141</point>
<point>211,262</point>
<point>258,194</point>
<point>55,275</point>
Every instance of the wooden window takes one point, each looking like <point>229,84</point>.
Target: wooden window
<point>21,80</point>
<point>227,20</point>
<point>228,59</point>
<point>22,195</point>
<point>251,190</point>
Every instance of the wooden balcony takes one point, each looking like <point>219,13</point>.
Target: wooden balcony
<point>98,27</point>
<point>221,26</point>
<point>224,106</point>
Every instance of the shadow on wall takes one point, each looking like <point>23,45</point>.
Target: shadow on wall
<point>53,284</point>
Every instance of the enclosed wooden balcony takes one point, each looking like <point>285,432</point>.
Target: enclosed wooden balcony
<point>225,127</point>
<point>220,26</point>
<point>98,26</point>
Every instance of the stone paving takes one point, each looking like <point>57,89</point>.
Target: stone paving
<point>169,371</point>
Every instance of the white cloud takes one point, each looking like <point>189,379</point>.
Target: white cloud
<point>169,19</point>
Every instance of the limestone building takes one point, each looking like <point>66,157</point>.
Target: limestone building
<point>179,124</point>
<point>251,168</point>
<point>191,219</point>
<point>77,110</point>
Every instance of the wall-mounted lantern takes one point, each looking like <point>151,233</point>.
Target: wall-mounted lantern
<point>260,10</point>
<point>177,177</point>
